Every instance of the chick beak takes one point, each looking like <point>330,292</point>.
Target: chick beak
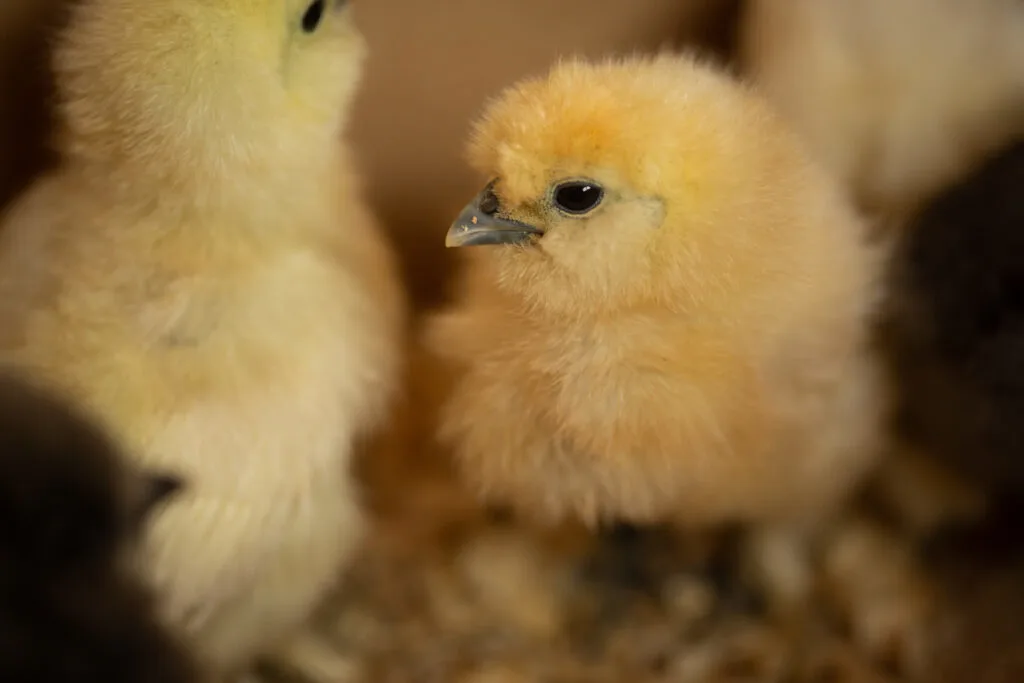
<point>479,224</point>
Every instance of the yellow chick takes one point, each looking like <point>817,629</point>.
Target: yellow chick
<point>670,323</point>
<point>202,273</point>
<point>898,99</point>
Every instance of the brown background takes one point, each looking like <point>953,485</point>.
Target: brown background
<point>432,63</point>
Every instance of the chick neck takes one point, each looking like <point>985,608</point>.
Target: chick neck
<point>567,308</point>
<point>231,174</point>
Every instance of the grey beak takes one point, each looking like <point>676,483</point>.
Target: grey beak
<point>479,225</point>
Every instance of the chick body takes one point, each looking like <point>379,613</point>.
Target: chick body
<point>693,347</point>
<point>952,328</point>
<point>202,274</point>
<point>898,99</point>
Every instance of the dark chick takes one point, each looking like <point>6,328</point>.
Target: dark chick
<point>70,609</point>
<point>953,331</point>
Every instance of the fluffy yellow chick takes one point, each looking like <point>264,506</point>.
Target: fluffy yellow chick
<point>671,320</point>
<point>897,98</point>
<point>202,273</point>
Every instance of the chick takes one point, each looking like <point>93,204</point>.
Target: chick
<point>897,98</point>
<point>953,326</point>
<point>201,272</point>
<point>71,611</point>
<point>672,324</point>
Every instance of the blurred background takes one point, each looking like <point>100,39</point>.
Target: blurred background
<point>901,98</point>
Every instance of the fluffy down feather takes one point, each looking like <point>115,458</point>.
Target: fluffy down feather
<point>202,274</point>
<point>692,346</point>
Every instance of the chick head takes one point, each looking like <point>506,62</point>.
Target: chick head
<point>69,502</point>
<point>612,181</point>
<point>206,87</point>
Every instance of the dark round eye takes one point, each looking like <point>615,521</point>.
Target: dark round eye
<point>314,13</point>
<point>578,196</point>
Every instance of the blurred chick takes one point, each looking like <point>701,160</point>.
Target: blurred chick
<point>672,324</point>
<point>897,98</point>
<point>71,610</point>
<point>203,275</point>
<point>953,327</point>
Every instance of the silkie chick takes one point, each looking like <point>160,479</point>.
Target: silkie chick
<point>71,608</point>
<point>202,274</point>
<point>671,323</point>
<point>898,99</point>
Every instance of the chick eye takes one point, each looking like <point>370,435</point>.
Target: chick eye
<point>314,13</point>
<point>578,196</point>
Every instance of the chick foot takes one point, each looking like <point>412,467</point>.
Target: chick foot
<point>778,562</point>
<point>881,595</point>
<point>312,658</point>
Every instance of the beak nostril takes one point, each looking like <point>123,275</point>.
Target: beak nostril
<point>489,204</point>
